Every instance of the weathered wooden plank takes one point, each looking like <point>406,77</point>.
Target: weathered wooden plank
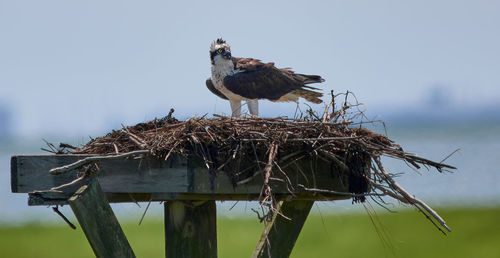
<point>14,185</point>
<point>148,175</point>
<point>190,229</point>
<point>31,173</point>
<point>99,223</point>
<point>178,178</point>
<point>312,173</point>
<point>48,198</point>
<point>280,235</point>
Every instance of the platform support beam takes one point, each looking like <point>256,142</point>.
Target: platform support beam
<point>279,235</point>
<point>98,222</point>
<point>190,229</point>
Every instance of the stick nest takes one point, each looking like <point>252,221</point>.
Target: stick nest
<point>241,146</point>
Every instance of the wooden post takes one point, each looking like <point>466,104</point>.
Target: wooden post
<point>98,222</point>
<point>280,234</point>
<point>190,229</point>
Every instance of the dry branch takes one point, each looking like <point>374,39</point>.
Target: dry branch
<point>93,159</point>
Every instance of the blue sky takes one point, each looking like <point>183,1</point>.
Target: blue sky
<point>82,67</point>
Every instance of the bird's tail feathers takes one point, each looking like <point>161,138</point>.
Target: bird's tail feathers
<point>310,78</point>
<point>309,95</point>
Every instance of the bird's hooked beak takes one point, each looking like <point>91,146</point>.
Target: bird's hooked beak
<point>226,55</point>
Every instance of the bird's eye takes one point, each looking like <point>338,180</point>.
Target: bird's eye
<point>220,51</point>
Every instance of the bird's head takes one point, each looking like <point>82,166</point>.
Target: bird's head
<point>219,51</point>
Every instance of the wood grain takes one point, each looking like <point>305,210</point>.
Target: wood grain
<point>178,178</point>
<point>279,236</point>
<point>148,175</point>
<point>190,229</point>
<point>99,223</point>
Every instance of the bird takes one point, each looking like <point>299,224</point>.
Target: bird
<point>240,79</point>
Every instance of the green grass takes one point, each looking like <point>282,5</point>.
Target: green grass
<point>476,233</point>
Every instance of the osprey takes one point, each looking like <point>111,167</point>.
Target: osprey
<point>237,79</point>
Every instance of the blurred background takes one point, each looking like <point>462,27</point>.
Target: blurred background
<point>429,69</point>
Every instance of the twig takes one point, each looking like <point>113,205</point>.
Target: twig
<point>172,149</point>
<point>323,139</point>
<point>85,161</point>
<point>56,210</point>
<point>407,198</point>
<point>325,113</point>
<point>316,190</point>
<point>136,139</point>
<point>273,150</point>
<point>144,214</point>
<point>116,148</point>
<point>236,202</point>
<point>74,182</point>
<point>65,145</point>
<point>248,179</point>
<point>288,181</point>
<point>51,146</point>
<point>451,154</point>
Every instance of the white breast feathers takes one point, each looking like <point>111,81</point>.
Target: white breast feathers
<point>220,70</point>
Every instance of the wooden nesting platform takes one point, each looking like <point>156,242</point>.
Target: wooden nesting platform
<point>178,178</point>
<point>185,184</point>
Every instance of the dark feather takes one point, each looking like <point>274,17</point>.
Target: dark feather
<point>257,80</point>
<point>212,88</point>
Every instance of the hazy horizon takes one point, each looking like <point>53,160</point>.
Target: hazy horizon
<point>81,68</point>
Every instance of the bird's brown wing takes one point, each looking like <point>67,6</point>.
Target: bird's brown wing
<point>256,80</point>
<point>246,64</point>
<point>212,88</point>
